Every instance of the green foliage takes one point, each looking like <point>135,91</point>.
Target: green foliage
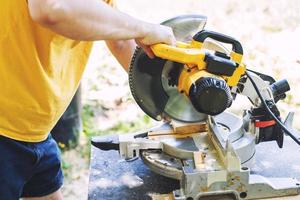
<point>65,165</point>
<point>121,127</point>
<point>87,120</point>
<point>129,127</point>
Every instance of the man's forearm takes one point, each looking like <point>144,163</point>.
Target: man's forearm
<point>86,20</point>
<point>122,50</point>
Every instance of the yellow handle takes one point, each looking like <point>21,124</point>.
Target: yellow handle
<point>181,53</point>
<point>191,55</point>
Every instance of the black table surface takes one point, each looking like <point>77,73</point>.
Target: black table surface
<point>114,179</point>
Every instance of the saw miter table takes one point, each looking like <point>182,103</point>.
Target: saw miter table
<point>203,151</point>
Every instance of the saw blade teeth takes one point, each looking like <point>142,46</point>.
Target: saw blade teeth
<point>130,72</point>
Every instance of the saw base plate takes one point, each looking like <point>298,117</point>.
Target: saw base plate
<point>213,159</point>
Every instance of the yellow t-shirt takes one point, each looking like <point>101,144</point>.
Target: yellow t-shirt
<point>39,73</point>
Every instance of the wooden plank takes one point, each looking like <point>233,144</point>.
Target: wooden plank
<point>180,129</point>
<point>162,196</point>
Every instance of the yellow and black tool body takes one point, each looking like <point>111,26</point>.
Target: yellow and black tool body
<point>206,76</point>
<point>188,81</point>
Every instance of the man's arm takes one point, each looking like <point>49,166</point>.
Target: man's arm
<point>122,51</point>
<point>94,20</point>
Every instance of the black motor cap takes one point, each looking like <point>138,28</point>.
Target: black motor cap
<point>210,95</point>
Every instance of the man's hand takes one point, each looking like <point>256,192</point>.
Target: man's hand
<point>156,34</point>
<point>123,49</point>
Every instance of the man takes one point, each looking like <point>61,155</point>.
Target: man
<point>43,50</point>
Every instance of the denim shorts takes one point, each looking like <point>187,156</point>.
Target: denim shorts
<point>29,169</point>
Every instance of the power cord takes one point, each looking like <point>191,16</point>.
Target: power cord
<point>288,132</point>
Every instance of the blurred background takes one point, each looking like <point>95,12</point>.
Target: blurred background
<point>269,31</point>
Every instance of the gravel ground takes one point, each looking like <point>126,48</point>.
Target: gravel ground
<point>268,30</point>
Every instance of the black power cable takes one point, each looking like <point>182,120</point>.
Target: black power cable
<point>288,132</point>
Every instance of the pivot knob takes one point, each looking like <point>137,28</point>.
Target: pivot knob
<point>210,95</point>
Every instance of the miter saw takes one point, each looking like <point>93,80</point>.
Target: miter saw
<point>189,87</point>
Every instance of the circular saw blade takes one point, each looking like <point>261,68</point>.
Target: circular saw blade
<point>149,79</point>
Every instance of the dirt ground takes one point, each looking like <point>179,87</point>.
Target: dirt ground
<point>269,31</point>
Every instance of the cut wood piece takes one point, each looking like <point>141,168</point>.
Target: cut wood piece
<point>162,196</point>
<point>182,128</point>
<point>168,136</point>
<point>161,132</point>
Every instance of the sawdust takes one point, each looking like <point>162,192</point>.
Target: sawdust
<point>129,180</point>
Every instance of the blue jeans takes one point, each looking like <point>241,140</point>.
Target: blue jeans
<point>29,169</point>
